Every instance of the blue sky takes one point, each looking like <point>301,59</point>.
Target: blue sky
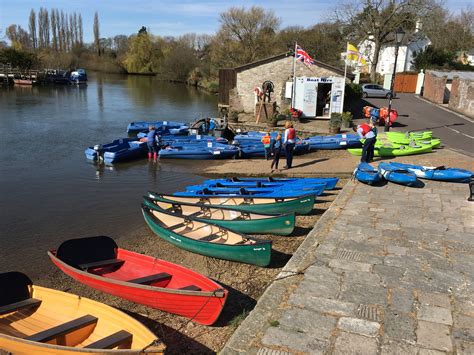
<point>171,18</point>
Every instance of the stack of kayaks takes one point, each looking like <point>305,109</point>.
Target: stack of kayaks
<point>40,321</point>
<point>99,263</point>
<point>163,127</point>
<point>423,138</point>
<point>367,174</point>
<point>195,150</point>
<point>289,190</point>
<point>397,175</point>
<point>440,173</point>
<point>271,181</point>
<point>118,151</point>
<point>393,150</point>
<point>338,141</point>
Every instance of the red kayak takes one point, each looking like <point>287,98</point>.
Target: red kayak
<point>99,263</point>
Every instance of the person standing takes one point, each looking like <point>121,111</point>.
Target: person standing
<point>365,131</point>
<point>266,140</point>
<point>276,151</point>
<point>152,139</point>
<point>289,142</point>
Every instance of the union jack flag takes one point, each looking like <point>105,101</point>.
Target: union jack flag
<point>303,57</point>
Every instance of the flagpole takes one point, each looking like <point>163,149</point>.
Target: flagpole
<point>294,78</point>
<point>345,74</point>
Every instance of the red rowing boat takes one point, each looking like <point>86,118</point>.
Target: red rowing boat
<point>99,263</point>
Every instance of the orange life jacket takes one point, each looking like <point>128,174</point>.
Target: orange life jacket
<point>266,140</point>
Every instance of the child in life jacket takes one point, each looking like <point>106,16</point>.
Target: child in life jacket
<point>276,151</point>
<point>266,140</point>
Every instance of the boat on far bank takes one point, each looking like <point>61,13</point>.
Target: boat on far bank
<point>78,76</point>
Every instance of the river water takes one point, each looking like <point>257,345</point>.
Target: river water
<point>49,192</point>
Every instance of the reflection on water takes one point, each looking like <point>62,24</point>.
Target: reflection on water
<point>49,192</point>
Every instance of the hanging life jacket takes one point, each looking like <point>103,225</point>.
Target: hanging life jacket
<point>365,128</point>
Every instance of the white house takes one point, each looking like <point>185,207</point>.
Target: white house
<point>470,57</point>
<point>412,44</point>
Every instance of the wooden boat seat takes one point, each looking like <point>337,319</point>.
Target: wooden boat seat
<point>102,263</point>
<point>121,339</point>
<point>18,306</point>
<point>146,280</point>
<point>63,329</point>
<point>190,288</point>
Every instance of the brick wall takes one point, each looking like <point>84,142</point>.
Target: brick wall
<point>434,88</point>
<point>242,98</point>
<point>462,96</point>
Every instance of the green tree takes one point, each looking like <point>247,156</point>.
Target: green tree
<point>18,58</point>
<point>143,55</point>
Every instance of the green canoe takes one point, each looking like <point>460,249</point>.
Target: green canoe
<point>236,220</point>
<point>401,138</point>
<point>207,239</point>
<point>394,150</point>
<point>298,205</point>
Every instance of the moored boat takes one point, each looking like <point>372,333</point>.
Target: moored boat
<point>207,239</point>
<point>338,141</point>
<point>99,263</point>
<point>330,183</point>
<point>299,205</point>
<point>78,76</point>
<point>42,321</point>
<point>199,151</point>
<point>239,221</point>
<point>397,175</point>
<point>119,150</point>
<point>161,126</point>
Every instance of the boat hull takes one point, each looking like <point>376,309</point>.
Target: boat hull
<point>367,174</point>
<point>201,307</point>
<point>283,224</point>
<point>437,173</point>
<point>255,254</point>
<point>300,206</point>
<point>397,175</point>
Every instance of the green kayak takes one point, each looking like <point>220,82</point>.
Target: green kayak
<point>207,239</point>
<point>236,220</point>
<point>395,150</point>
<point>401,138</point>
<point>298,205</point>
<point>396,136</point>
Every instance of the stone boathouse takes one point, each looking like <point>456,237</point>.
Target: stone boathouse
<point>318,89</point>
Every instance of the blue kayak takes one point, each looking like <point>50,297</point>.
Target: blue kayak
<point>253,136</point>
<point>316,189</point>
<point>270,182</point>
<point>338,141</point>
<point>397,175</point>
<point>119,150</point>
<point>141,126</point>
<point>199,151</point>
<point>367,174</point>
<point>440,173</point>
<point>242,192</point>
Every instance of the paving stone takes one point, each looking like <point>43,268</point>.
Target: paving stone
<point>463,321</point>
<point>367,278</point>
<point>401,300</point>
<point>393,249</point>
<point>390,275</point>
<point>362,293</point>
<point>431,352</point>
<point>391,347</point>
<point>434,299</point>
<point>275,336</point>
<point>347,343</point>
<point>435,314</point>
<point>464,334</point>
<point>302,320</point>
<point>267,351</point>
<point>359,326</point>
<point>434,336</point>
<point>323,304</point>
<point>350,265</point>
<point>399,326</point>
<point>464,348</point>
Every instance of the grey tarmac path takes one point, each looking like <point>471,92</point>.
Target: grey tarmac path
<point>382,272</point>
<point>415,113</point>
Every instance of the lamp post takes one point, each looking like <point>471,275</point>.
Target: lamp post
<point>399,34</point>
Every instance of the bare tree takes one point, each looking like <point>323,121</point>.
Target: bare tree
<point>67,33</point>
<point>54,29</point>
<point>377,20</point>
<point>62,32</point>
<point>76,30</point>
<point>32,27</point>
<point>19,38</point>
<point>46,29</point>
<point>40,28</point>
<point>81,37</point>
<point>96,33</point>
